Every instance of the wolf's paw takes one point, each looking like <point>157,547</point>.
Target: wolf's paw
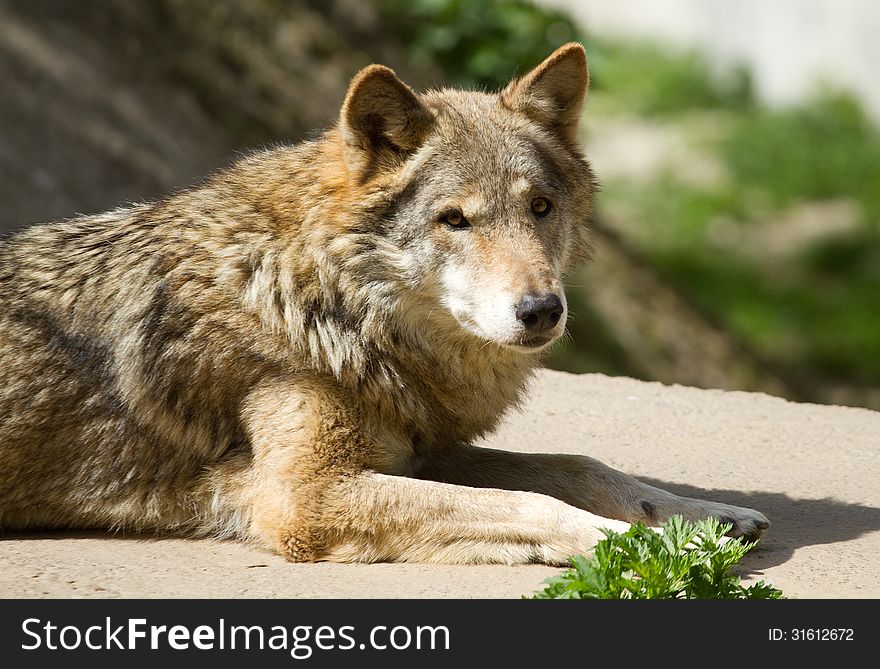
<point>746,523</point>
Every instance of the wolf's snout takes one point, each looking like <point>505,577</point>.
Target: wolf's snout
<point>539,313</point>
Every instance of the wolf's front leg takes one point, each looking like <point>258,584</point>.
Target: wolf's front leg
<point>312,490</point>
<point>380,518</point>
<point>585,483</point>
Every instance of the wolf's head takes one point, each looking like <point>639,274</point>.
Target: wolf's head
<point>491,194</point>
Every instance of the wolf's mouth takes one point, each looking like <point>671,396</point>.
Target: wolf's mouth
<point>535,342</point>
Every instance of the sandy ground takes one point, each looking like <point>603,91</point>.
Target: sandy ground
<point>813,470</point>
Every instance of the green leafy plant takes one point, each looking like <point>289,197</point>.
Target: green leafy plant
<point>685,560</point>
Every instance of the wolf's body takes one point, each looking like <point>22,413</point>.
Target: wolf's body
<point>300,351</point>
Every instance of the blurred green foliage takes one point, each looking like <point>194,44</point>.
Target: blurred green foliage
<point>829,321</point>
<point>644,78</point>
<point>477,43</point>
<point>818,306</point>
<point>825,149</point>
<point>483,43</point>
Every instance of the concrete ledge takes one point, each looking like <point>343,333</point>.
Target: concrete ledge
<point>813,470</point>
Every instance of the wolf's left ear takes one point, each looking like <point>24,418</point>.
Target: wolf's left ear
<point>553,93</point>
<point>381,121</point>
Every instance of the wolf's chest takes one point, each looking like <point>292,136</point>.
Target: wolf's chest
<point>458,400</point>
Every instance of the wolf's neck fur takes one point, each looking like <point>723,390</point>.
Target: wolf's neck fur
<point>331,290</point>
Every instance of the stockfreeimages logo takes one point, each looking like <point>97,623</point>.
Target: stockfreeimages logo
<point>300,641</point>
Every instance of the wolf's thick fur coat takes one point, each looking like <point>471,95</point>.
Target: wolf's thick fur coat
<point>300,350</point>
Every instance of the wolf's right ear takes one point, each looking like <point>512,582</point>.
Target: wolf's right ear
<point>381,121</point>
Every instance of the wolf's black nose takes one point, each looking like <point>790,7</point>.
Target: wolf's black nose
<point>539,313</point>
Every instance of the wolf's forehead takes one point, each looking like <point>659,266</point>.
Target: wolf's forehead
<point>510,162</point>
<point>478,120</point>
<point>480,150</point>
<point>477,137</point>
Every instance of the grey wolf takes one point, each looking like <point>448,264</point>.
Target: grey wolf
<point>300,351</point>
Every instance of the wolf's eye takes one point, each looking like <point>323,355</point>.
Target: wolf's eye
<point>541,207</point>
<point>455,219</point>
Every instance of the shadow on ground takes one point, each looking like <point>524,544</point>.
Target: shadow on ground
<point>795,522</point>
